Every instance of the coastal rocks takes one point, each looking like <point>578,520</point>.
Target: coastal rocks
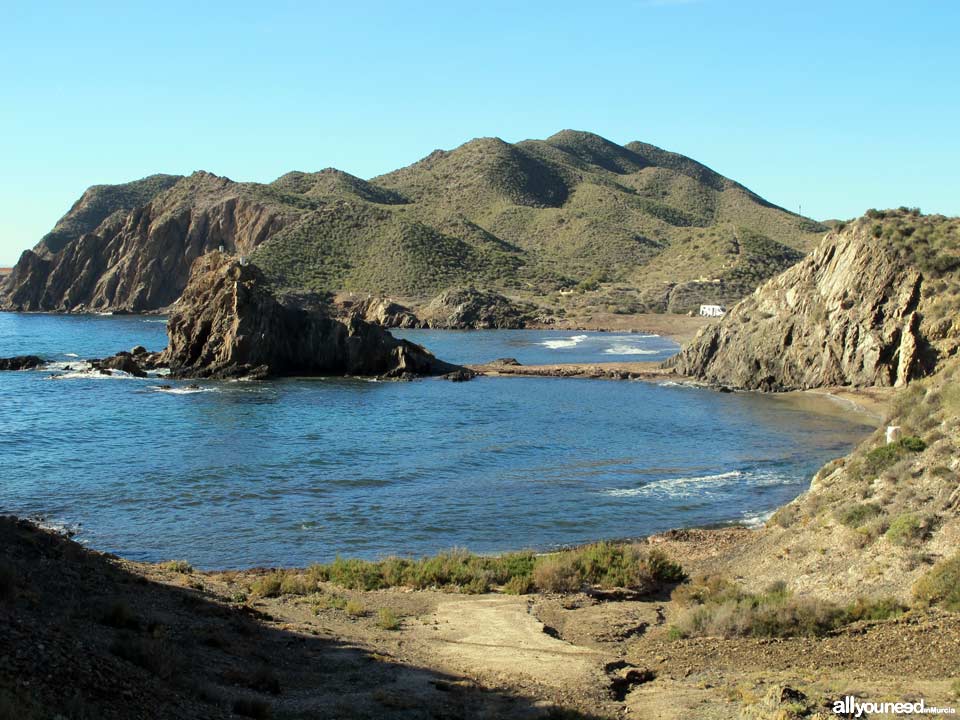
<point>139,258</point>
<point>385,313</point>
<point>845,315</point>
<point>21,362</point>
<point>472,309</point>
<point>229,324</point>
<point>122,361</point>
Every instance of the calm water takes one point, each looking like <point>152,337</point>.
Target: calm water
<point>291,472</point>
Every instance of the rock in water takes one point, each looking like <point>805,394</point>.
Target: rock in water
<point>228,323</point>
<point>21,362</point>
<point>845,315</point>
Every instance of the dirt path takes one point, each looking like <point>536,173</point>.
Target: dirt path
<point>497,638</point>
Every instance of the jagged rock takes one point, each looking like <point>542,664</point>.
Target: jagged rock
<point>138,350</point>
<point>139,258</point>
<point>845,315</point>
<point>229,324</point>
<point>385,313</point>
<point>472,309</point>
<point>122,361</point>
<point>21,362</point>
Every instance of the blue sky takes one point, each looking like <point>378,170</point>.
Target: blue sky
<point>832,106</point>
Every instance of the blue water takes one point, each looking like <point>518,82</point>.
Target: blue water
<point>540,347</point>
<point>296,471</point>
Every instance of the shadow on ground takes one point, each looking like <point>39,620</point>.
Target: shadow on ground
<point>85,638</point>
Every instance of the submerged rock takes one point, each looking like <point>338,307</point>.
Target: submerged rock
<point>21,362</point>
<point>228,324</point>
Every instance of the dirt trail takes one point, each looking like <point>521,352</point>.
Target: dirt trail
<point>497,638</point>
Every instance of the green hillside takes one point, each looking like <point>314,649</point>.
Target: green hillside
<point>630,228</point>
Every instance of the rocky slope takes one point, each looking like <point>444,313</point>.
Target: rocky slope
<point>863,309</point>
<point>532,218</point>
<point>228,323</point>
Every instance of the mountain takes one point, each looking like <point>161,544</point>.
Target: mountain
<point>874,305</point>
<point>636,227</point>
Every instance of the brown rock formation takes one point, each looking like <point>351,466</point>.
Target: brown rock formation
<point>472,309</point>
<point>848,314</point>
<point>139,258</point>
<point>229,324</point>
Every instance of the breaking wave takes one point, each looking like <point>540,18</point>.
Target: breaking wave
<point>569,342</point>
<point>628,350</point>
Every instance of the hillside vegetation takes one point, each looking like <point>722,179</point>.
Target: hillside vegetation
<point>635,227</point>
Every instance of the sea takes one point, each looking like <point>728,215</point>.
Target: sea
<point>295,471</point>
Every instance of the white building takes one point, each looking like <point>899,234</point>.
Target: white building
<point>713,310</point>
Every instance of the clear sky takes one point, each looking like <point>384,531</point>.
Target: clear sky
<point>833,106</point>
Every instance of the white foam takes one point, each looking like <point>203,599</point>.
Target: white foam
<point>72,366</point>
<point>571,341</point>
<point>756,520</point>
<point>181,390</point>
<point>154,320</point>
<point>628,350</point>
<point>88,374</point>
<point>70,355</point>
<point>682,485</point>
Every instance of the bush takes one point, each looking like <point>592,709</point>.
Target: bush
<point>354,608</point>
<point>940,585</point>
<point>717,607</point>
<point>387,619</point>
<point>879,459</point>
<point>854,516</point>
<point>177,566</point>
<point>906,529</point>
<point>606,564</point>
<point>282,583</point>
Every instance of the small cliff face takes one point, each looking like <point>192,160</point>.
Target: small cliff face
<point>229,324</point>
<point>139,259</point>
<point>848,314</point>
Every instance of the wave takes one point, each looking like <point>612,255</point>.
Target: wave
<point>628,350</point>
<point>154,320</point>
<point>70,355</point>
<point>684,485</point>
<point>569,342</point>
<point>168,390</point>
<point>702,484</point>
<point>755,520</point>
<point>88,374</point>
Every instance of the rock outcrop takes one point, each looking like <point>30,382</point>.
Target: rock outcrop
<point>21,362</point>
<point>848,314</point>
<point>385,313</point>
<point>139,258</point>
<point>472,309</point>
<point>228,323</point>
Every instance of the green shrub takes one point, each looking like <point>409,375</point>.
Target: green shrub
<point>856,515</point>
<point>717,607</point>
<point>940,585</point>
<point>387,619</point>
<point>883,457</point>
<point>906,529</point>
<point>282,582</point>
<point>605,564</point>
<point>354,608</point>
<point>177,566</point>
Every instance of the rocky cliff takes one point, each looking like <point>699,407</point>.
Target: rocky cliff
<point>861,310</point>
<point>228,323</point>
<point>529,219</point>
<point>139,259</point>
